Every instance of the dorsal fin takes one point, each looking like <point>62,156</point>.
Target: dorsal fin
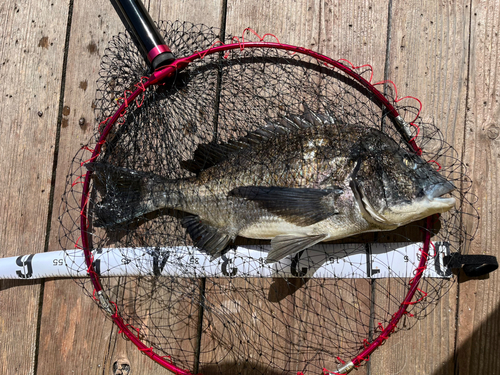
<point>209,154</point>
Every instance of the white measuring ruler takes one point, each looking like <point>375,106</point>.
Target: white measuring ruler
<point>322,261</point>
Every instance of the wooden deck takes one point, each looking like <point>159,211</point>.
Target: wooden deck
<point>446,53</point>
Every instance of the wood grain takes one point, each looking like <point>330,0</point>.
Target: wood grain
<point>208,13</point>
<point>86,331</point>
<point>31,57</point>
<point>197,12</point>
<point>69,338</point>
<point>427,59</point>
<point>351,31</point>
<point>355,31</point>
<point>291,23</point>
<point>241,328</point>
<point>479,302</point>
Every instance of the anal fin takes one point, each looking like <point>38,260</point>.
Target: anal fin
<point>205,236</point>
<point>284,245</point>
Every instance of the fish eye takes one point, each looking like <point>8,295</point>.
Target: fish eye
<point>409,162</point>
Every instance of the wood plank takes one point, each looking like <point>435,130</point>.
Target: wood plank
<point>427,60</point>
<point>206,12</point>
<point>479,312</point>
<point>357,32</point>
<point>317,25</point>
<point>291,22</point>
<point>31,57</point>
<point>430,333</point>
<point>69,338</point>
<point>265,310</point>
<point>245,329</point>
<point>182,316</point>
<point>78,344</point>
<point>336,313</point>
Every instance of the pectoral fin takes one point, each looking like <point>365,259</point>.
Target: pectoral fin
<point>281,246</point>
<point>301,206</point>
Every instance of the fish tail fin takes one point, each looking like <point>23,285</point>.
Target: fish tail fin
<point>123,192</point>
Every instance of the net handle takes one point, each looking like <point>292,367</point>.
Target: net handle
<point>156,78</point>
<point>137,20</point>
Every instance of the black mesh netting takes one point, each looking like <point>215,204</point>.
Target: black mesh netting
<point>233,323</point>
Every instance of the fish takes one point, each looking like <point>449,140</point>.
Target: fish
<point>297,181</point>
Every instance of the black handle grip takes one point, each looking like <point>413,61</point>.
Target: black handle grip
<point>137,19</point>
<point>473,265</point>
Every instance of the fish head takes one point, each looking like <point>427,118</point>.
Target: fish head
<point>394,186</point>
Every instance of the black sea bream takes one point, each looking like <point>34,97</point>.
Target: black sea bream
<point>297,181</point>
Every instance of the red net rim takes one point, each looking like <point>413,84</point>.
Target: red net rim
<point>156,78</point>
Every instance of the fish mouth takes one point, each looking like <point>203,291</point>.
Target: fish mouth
<point>437,190</point>
<point>433,201</point>
<point>435,193</point>
<point>445,202</point>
